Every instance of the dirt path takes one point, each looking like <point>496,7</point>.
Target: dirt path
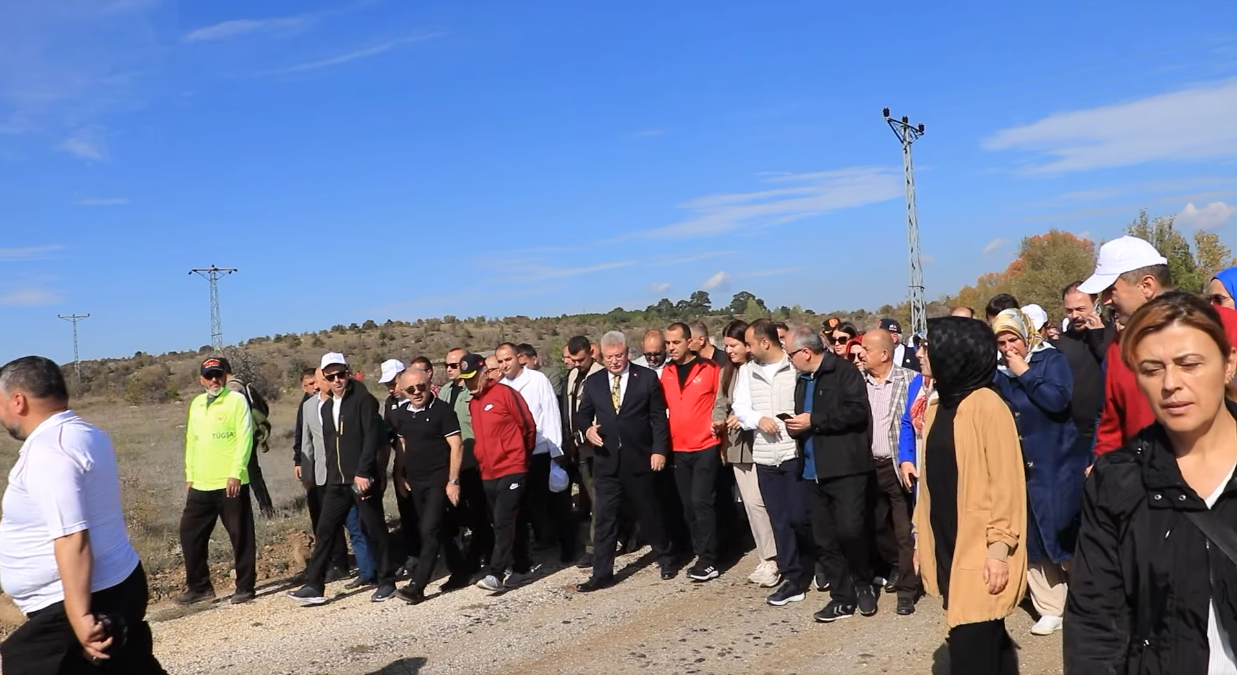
<point>643,625</point>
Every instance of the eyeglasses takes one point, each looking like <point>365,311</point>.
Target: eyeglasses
<point>415,388</point>
<point>490,370</point>
<point>454,365</point>
<point>337,375</point>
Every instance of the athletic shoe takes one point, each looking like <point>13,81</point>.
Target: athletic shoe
<point>867,599</point>
<point>833,611</point>
<point>308,596</point>
<point>359,582</point>
<point>702,572</point>
<point>490,583</point>
<point>788,593</point>
<point>384,593</point>
<point>517,579</point>
<point>1047,625</point>
<point>411,594</point>
<point>455,583</point>
<point>194,597</point>
<point>241,597</point>
<point>766,575</point>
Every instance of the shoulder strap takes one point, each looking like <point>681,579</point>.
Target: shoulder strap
<point>1220,533</point>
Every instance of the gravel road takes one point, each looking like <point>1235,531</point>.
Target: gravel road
<point>642,625</point>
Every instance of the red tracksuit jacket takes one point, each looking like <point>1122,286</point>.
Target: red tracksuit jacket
<point>691,407</point>
<point>504,430</point>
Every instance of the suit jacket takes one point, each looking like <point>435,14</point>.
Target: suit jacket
<point>637,431</point>
<point>573,392</point>
<point>313,448</point>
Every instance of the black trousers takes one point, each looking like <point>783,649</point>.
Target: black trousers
<point>585,468</point>
<point>695,474</point>
<point>638,485</point>
<point>197,521</point>
<point>258,485</point>
<point>474,513</point>
<point>46,645</point>
<point>409,525</point>
<point>982,649</point>
<point>892,521</point>
<point>549,512</point>
<point>437,536</point>
<point>313,499</point>
<point>505,497</point>
<point>337,501</point>
<point>784,492</point>
<point>839,523</point>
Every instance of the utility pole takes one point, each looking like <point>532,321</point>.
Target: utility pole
<point>77,364</point>
<point>212,275</point>
<point>907,134</point>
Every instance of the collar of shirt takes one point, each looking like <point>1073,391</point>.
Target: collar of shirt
<point>408,404</point>
<point>47,424</point>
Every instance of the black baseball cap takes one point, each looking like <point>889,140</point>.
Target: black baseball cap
<point>470,365</point>
<point>216,364</point>
<point>891,325</point>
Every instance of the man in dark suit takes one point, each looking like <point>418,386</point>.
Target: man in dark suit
<point>624,410</point>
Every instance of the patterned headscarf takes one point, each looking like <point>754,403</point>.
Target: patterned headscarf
<point>961,351</point>
<point>1014,321</point>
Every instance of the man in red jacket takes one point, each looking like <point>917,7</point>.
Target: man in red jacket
<point>690,383</point>
<point>1129,274</point>
<point>505,436</point>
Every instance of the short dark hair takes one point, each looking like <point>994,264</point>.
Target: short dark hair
<point>36,376</point>
<point>423,363</point>
<point>508,345</point>
<point>1073,288</point>
<point>578,344</point>
<point>681,327</point>
<point>1001,302</point>
<point>309,372</point>
<point>781,325</point>
<point>1161,273</point>
<point>764,328</point>
<point>525,349</point>
<point>844,327</point>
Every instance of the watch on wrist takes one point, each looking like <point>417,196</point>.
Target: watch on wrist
<point>453,481</point>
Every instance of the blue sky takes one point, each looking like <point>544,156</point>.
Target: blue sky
<point>384,159</point>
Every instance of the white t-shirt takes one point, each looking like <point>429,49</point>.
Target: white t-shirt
<point>538,393</point>
<point>65,481</point>
<point>1220,661</point>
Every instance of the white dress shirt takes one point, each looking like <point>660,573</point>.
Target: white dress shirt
<point>538,393</point>
<point>65,481</point>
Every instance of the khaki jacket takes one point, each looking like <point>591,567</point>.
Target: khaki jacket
<point>992,511</point>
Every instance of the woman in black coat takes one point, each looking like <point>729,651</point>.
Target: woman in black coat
<point>1150,592</point>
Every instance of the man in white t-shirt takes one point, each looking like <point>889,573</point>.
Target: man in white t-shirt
<point>65,556</point>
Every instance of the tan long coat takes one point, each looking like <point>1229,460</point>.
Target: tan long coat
<point>992,511</point>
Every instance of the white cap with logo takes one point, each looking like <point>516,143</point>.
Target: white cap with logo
<point>333,359</point>
<point>1118,257</point>
<point>390,368</point>
<point>1037,315</point>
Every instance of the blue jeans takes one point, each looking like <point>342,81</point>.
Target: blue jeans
<point>367,568</point>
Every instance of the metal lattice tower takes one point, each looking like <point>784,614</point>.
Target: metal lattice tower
<point>212,275</point>
<point>77,364</point>
<point>908,134</point>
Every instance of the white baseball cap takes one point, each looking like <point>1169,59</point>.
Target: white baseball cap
<point>390,368</point>
<point>333,359</point>
<point>1118,257</point>
<point>1037,315</point>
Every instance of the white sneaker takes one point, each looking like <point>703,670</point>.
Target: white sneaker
<point>490,583</point>
<point>1047,625</point>
<point>766,575</point>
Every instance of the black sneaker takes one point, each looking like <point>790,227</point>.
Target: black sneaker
<point>702,572</point>
<point>833,611</point>
<point>241,597</point>
<point>789,592</point>
<point>867,599</point>
<point>891,586</point>
<point>456,582</point>
<point>585,562</point>
<point>411,594</point>
<point>906,606</point>
<point>359,582</point>
<point>384,593</point>
<point>308,596</point>
<point>194,597</point>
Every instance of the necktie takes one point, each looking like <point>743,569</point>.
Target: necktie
<point>616,393</point>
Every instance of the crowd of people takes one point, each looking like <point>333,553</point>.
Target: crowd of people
<point>1087,466</point>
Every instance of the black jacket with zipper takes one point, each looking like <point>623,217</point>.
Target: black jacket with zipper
<point>352,450</point>
<point>841,428</point>
<point>1143,574</point>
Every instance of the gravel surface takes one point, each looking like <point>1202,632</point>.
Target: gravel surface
<point>642,625</point>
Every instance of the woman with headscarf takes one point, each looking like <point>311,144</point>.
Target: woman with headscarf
<point>971,513</point>
<point>1037,383</point>
<point>1223,288</point>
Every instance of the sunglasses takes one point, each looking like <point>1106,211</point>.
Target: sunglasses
<point>649,355</point>
<point>454,365</point>
<point>214,375</point>
<point>840,340</point>
<point>338,375</point>
<point>415,388</point>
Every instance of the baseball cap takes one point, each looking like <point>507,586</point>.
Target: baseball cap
<point>470,365</point>
<point>1118,257</point>
<point>333,359</point>
<point>891,325</point>
<point>390,368</point>
<point>1037,315</point>
<point>831,323</point>
<point>215,365</point>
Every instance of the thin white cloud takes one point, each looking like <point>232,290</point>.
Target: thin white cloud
<point>689,258</point>
<point>238,27</point>
<point>527,271</point>
<point>102,201</point>
<point>994,245</point>
<point>1190,124</point>
<point>648,133</point>
<point>772,272</point>
<point>789,198</point>
<point>715,281</point>
<point>659,288</point>
<point>1208,217</point>
<point>86,144</point>
<point>29,252</point>
<point>28,296</point>
<point>353,56</point>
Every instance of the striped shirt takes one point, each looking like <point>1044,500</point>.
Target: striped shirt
<point>880,397</point>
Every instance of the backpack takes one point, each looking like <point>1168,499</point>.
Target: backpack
<point>259,410</point>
